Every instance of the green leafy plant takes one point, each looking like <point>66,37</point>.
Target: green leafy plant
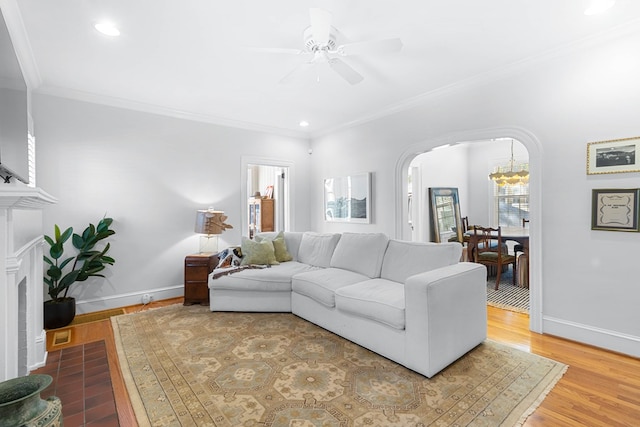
<point>87,262</point>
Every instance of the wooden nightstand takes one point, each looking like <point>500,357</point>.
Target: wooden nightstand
<point>196,277</point>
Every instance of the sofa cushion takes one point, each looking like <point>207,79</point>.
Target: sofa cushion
<point>276,278</point>
<point>404,259</point>
<point>361,253</point>
<point>320,285</point>
<point>258,252</point>
<point>279,246</point>
<point>376,299</point>
<point>317,249</point>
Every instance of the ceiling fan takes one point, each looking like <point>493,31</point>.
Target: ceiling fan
<point>320,44</point>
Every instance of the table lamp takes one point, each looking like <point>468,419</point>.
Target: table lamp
<point>210,223</point>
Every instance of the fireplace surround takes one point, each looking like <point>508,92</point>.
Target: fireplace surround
<point>22,334</point>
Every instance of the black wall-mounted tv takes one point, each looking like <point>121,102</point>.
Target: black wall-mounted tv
<point>14,127</point>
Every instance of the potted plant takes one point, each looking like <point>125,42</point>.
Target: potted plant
<point>88,261</point>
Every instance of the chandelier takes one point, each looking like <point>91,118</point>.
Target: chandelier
<point>508,175</point>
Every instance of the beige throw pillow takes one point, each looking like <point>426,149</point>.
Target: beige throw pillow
<point>260,253</point>
<point>279,246</point>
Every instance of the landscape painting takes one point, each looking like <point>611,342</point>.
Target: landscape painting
<point>613,156</point>
<point>348,198</point>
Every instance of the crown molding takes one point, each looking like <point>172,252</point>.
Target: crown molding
<point>498,73</point>
<point>21,44</point>
<point>165,111</point>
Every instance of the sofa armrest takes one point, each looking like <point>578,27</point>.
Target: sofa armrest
<point>445,314</point>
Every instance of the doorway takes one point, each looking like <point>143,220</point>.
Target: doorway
<point>406,221</point>
<point>265,178</point>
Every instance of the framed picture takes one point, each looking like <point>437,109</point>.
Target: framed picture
<point>614,156</point>
<point>615,209</point>
<point>348,199</point>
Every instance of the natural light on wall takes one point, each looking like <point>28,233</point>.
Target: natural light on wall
<point>597,7</point>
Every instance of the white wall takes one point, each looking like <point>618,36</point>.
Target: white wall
<point>446,167</point>
<point>588,279</point>
<point>150,173</point>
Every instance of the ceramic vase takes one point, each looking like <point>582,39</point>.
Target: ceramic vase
<point>21,405</point>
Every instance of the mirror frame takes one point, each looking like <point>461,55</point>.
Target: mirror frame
<point>435,192</point>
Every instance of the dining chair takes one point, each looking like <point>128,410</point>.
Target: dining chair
<point>486,247</point>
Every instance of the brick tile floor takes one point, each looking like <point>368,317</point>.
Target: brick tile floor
<point>82,381</point>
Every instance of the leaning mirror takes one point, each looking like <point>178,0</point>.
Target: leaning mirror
<point>446,222</point>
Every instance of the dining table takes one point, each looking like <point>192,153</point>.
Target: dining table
<point>517,234</point>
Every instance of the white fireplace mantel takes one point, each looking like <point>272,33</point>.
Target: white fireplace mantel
<point>22,335</point>
<point>15,197</point>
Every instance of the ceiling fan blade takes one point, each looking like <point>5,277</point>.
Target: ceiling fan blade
<point>295,73</point>
<point>374,46</point>
<point>284,50</point>
<point>345,71</point>
<point>320,25</point>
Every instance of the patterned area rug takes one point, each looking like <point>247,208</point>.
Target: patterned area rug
<point>191,367</point>
<point>507,296</point>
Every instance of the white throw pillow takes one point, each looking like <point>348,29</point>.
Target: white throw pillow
<point>316,249</point>
<point>361,253</point>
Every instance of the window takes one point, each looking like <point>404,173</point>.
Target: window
<point>511,204</point>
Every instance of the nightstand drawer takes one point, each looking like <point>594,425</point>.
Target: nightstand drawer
<point>196,277</point>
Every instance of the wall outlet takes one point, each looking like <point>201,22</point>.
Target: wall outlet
<point>146,298</point>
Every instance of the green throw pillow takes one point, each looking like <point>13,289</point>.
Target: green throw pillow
<point>279,247</point>
<point>261,253</point>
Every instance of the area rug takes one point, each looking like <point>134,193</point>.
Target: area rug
<point>508,296</point>
<point>191,367</point>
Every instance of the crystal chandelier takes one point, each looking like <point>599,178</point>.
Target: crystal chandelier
<point>504,175</point>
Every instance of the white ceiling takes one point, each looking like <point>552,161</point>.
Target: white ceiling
<point>193,58</point>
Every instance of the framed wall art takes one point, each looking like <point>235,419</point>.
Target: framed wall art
<point>348,198</point>
<point>613,156</point>
<point>615,209</point>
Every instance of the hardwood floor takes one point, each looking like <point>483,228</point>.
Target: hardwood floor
<point>600,388</point>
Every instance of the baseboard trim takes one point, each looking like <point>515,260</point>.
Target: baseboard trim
<point>128,299</point>
<point>599,337</point>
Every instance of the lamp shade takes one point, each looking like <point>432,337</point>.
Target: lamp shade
<point>211,222</point>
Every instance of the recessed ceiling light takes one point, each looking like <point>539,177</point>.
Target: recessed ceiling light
<point>304,124</point>
<point>107,28</point>
<point>599,6</point>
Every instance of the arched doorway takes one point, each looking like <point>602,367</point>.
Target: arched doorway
<point>533,146</point>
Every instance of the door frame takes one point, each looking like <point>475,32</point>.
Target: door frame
<point>289,211</point>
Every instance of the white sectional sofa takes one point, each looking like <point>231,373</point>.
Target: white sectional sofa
<point>413,303</point>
